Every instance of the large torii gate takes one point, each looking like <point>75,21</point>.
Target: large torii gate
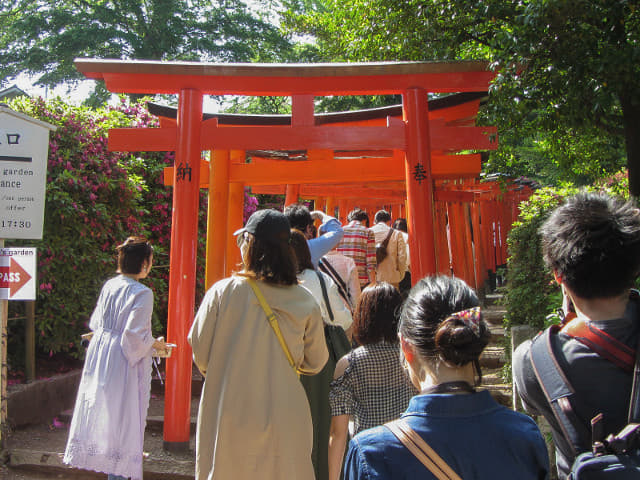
<point>414,137</point>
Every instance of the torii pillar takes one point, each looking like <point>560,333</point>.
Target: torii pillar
<point>182,269</point>
<point>419,183</point>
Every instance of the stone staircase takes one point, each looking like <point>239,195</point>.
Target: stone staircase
<point>494,357</point>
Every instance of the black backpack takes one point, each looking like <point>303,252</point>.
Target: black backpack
<point>616,457</point>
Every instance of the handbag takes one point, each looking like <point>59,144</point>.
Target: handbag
<point>381,248</point>
<point>337,341</point>
<point>421,450</point>
<point>273,321</point>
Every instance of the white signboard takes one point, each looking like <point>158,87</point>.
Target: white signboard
<point>24,145</point>
<point>18,273</point>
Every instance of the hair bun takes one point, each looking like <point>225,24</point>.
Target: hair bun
<point>132,242</point>
<point>459,340</point>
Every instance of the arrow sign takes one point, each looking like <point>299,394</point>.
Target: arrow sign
<point>13,277</point>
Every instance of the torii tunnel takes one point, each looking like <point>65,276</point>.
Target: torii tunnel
<point>407,158</point>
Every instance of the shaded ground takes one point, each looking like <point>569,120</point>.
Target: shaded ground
<point>36,451</point>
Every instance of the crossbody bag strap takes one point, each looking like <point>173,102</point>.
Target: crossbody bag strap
<point>558,390</point>
<point>273,321</point>
<point>421,450</point>
<point>385,242</point>
<point>327,268</point>
<point>323,286</point>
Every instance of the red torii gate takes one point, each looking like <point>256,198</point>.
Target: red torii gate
<point>380,183</point>
<point>413,136</point>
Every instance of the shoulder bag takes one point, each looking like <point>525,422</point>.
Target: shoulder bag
<point>381,248</point>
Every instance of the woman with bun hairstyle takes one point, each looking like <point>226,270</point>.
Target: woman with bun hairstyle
<point>109,418</point>
<point>442,335</point>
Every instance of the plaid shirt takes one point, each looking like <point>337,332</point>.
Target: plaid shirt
<point>359,243</point>
<point>374,388</point>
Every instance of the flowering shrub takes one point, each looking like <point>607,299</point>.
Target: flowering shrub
<point>94,200</point>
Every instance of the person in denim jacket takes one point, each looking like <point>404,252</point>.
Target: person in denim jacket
<point>442,335</point>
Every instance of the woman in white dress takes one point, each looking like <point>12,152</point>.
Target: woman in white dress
<point>107,429</point>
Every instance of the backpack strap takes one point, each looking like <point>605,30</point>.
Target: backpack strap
<point>634,402</point>
<point>558,390</point>
<point>601,343</point>
<point>421,450</point>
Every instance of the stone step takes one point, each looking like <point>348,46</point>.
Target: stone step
<point>493,357</point>
<point>493,381</point>
<point>493,315</point>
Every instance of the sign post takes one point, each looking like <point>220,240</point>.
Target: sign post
<point>24,146</point>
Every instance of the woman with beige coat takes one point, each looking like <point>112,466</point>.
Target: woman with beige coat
<point>254,419</point>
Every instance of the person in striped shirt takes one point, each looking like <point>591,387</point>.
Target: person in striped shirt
<point>359,243</point>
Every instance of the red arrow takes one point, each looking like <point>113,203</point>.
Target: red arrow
<point>13,277</point>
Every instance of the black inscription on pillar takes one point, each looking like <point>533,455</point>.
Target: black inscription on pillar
<point>419,173</point>
<point>184,171</point>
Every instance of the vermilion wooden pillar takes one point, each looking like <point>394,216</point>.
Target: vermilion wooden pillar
<point>182,270</point>
<point>469,265</point>
<point>419,183</point>
<point>292,194</point>
<point>343,210</point>
<point>455,238</point>
<point>443,257</point>
<point>480,266</point>
<point>492,222</point>
<point>217,214</point>
<point>236,210</point>
<point>331,206</point>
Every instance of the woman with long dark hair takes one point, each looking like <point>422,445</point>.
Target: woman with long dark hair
<point>370,386</point>
<point>253,334</point>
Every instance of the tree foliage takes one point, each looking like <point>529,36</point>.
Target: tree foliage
<point>567,70</point>
<point>43,37</point>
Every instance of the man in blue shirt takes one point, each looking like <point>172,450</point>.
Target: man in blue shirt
<point>301,219</point>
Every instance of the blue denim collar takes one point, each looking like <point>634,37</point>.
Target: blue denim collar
<point>450,405</point>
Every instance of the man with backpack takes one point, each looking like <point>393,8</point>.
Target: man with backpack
<point>571,373</point>
<point>391,250</point>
